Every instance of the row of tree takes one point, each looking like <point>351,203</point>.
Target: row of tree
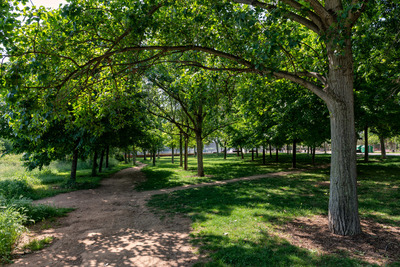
<point>83,70</point>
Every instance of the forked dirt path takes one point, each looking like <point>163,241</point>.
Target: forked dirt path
<point>112,226</point>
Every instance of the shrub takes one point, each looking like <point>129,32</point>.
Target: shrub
<point>11,227</point>
<point>15,188</point>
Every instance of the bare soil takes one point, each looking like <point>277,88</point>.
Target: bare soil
<point>112,226</point>
<point>378,244</point>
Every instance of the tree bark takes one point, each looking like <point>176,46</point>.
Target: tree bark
<point>252,154</point>
<point>144,155</point>
<point>125,158</point>
<point>101,161</point>
<point>343,201</point>
<point>173,155</point>
<point>263,158</point>
<point>185,167</point>
<point>257,152</point>
<point>383,148</point>
<point>270,151</point>
<point>180,151</point>
<point>94,166</point>
<point>154,158</point>
<point>366,152</point>
<point>225,150</point>
<point>277,155</point>
<point>216,145</point>
<point>134,155</point>
<point>200,166</point>
<point>313,155</point>
<point>241,153</point>
<point>74,164</point>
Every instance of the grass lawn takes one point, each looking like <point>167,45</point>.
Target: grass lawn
<point>237,224</point>
<point>49,181</point>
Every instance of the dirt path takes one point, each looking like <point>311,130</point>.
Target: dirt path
<point>112,226</point>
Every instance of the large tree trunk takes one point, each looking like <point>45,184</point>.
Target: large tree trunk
<point>383,148</point>
<point>200,166</point>
<point>366,152</point>
<point>343,201</point>
<point>74,165</point>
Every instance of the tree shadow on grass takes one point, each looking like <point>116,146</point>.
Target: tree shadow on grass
<point>157,179</point>
<point>267,250</point>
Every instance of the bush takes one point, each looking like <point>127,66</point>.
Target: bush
<point>32,212</point>
<point>11,227</point>
<point>15,188</point>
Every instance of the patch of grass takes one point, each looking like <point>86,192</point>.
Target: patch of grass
<point>165,174</point>
<point>235,223</point>
<point>38,244</point>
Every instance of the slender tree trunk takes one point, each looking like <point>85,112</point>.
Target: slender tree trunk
<point>383,148</point>
<point>125,158</point>
<point>237,152</point>
<point>276,155</point>
<point>270,151</point>
<point>263,158</point>
<point>158,154</point>
<point>134,155</point>
<point>313,155</point>
<point>94,166</point>
<point>200,166</point>
<point>144,155</point>
<point>173,155</point>
<point>241,152</point>
<point>180,151</point>
<point>225,150</point>
<point>294,154</point>
<point>366,152</point>
<point>74,165</point>
<point>185,167</point>
<point>257,152</point>
<point>287,149</point>
<point>154,157</point>
<point>101,161</point>
<point>107,156</point>
<point>252,154</point>
<point>216,145</point>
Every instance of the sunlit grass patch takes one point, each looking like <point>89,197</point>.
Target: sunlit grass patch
<point>236,224</point>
